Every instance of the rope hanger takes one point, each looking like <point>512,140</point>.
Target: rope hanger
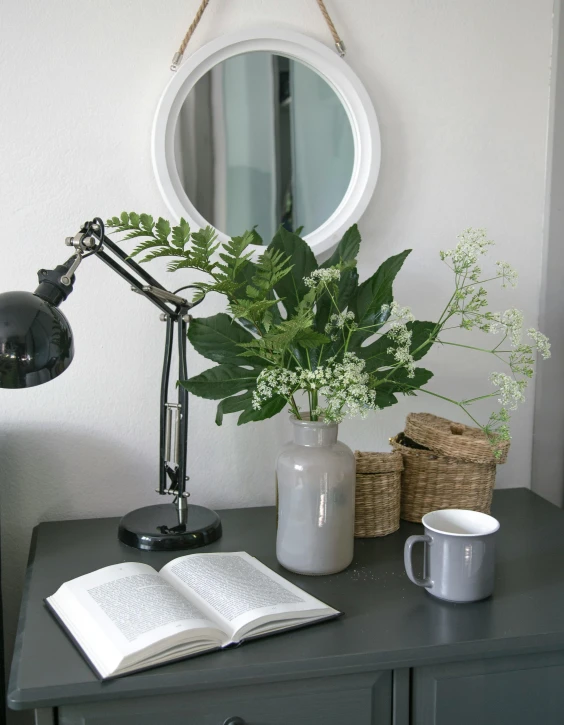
<point>177,58</point>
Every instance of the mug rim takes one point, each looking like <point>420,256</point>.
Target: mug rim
<point>494,523</point>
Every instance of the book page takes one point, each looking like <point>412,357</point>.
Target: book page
<point>129,608</point>
<point>238,587</point>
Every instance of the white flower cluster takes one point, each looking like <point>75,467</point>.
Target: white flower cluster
<point>337,321</point>
<point>472,243</point>
<point>402,355</point>
<point>511,390</point>
<point>541,342</point>
<point>343,384</point>
<point>325,276</point>
<point>274,381</point>
<point>401,336</point>
<point>510,322</point>
<point>347,391</point>
<point>399,313</point>
<point>508,275</point>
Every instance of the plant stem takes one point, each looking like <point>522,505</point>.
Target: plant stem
<point>481,397</point>
<point>314,405</point>
<point>468,347</point>
<point>294,407</point>
<point>449,400</point>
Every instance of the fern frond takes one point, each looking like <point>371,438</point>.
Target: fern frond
<point>181,234</point>
<point>162,230</point>
<point>135,234</point>
<point>252,310</point>
<point>203,248</point>
<point>146,222</point>
<point>148,244</point>
<point>310,338</point>
<point>160,252</point>
<point>271,267</point>
<point>234,257</point>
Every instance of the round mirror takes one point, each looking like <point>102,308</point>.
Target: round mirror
<point>262,141</point>
<point>264,129</point>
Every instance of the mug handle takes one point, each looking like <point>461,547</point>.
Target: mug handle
<point>408,559</point>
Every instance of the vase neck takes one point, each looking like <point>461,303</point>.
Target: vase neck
<point>315,434</point>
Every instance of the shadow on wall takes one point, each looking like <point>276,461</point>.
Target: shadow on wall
<point>48,475</point>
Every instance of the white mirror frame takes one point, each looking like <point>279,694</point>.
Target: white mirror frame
<point>318,57</point>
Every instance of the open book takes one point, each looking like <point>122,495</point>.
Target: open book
<point>129,617</point>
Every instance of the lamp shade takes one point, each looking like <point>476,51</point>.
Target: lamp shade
<point>36,343</point>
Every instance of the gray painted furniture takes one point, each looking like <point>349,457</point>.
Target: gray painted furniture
<point>398,657</point>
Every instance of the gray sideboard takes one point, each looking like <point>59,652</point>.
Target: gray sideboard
<point>397,657</point>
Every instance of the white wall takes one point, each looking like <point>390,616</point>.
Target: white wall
<point>461,91</point>
<point>548,452</point>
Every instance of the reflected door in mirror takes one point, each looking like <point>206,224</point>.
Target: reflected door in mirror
<point>262,141</point>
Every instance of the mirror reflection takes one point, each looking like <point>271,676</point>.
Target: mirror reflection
<point>263,140</point>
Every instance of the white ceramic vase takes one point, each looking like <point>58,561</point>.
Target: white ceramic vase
<point>316,481</point>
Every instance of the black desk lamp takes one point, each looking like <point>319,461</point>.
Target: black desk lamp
<point>36,345</point>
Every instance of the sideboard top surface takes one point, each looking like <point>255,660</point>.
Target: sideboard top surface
<point>388,621</point>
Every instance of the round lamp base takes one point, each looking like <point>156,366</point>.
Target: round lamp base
<point>159,528</point>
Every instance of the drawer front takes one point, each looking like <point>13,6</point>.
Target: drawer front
<point>520,690</point>
<point>359,699</point>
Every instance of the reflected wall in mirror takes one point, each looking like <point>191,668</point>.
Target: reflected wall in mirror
<point>263,140</point>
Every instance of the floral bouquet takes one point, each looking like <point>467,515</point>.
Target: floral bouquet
<point>317,340</point>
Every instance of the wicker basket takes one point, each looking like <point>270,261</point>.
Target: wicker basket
<point>446,465</point>
<point>377,497</point>
<point>456,440</point>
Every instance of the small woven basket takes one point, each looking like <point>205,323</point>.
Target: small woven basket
<point>446,465</point>
<point>377,493</point>
<point>453,439</point>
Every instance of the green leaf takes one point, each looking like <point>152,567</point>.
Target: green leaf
<point>291,288</point>
<point>244,402</point>
<point>181,234</point>
<point>271,267</point>
<point>267,410</point>
<point>420,333</point>
<point>346,291</point>
<point>219,338</point>
<point>160,252</point>
<point>136,233</point>
<point>376,354</point>
<point>347,249</point>
<point>375,292</point>
<point>309,339</point>
<point>233,405</point>
<point>147,223</point>
<point>144,246</point>
<point>256,238</point>
<point>134,219</point>
<point>162,229</point>
<point>401,383</point>
<point>282,335</point>
<point>203,248</point>
<point>252,311</point>
<point>124,217</point>
<point>385,399</point>
<point>221,381</point>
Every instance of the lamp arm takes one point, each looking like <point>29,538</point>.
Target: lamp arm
<point>55,286</point>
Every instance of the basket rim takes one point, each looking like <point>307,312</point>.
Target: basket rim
<point>419,453</point>
<point>452,439</point>
<point>368,462</point>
